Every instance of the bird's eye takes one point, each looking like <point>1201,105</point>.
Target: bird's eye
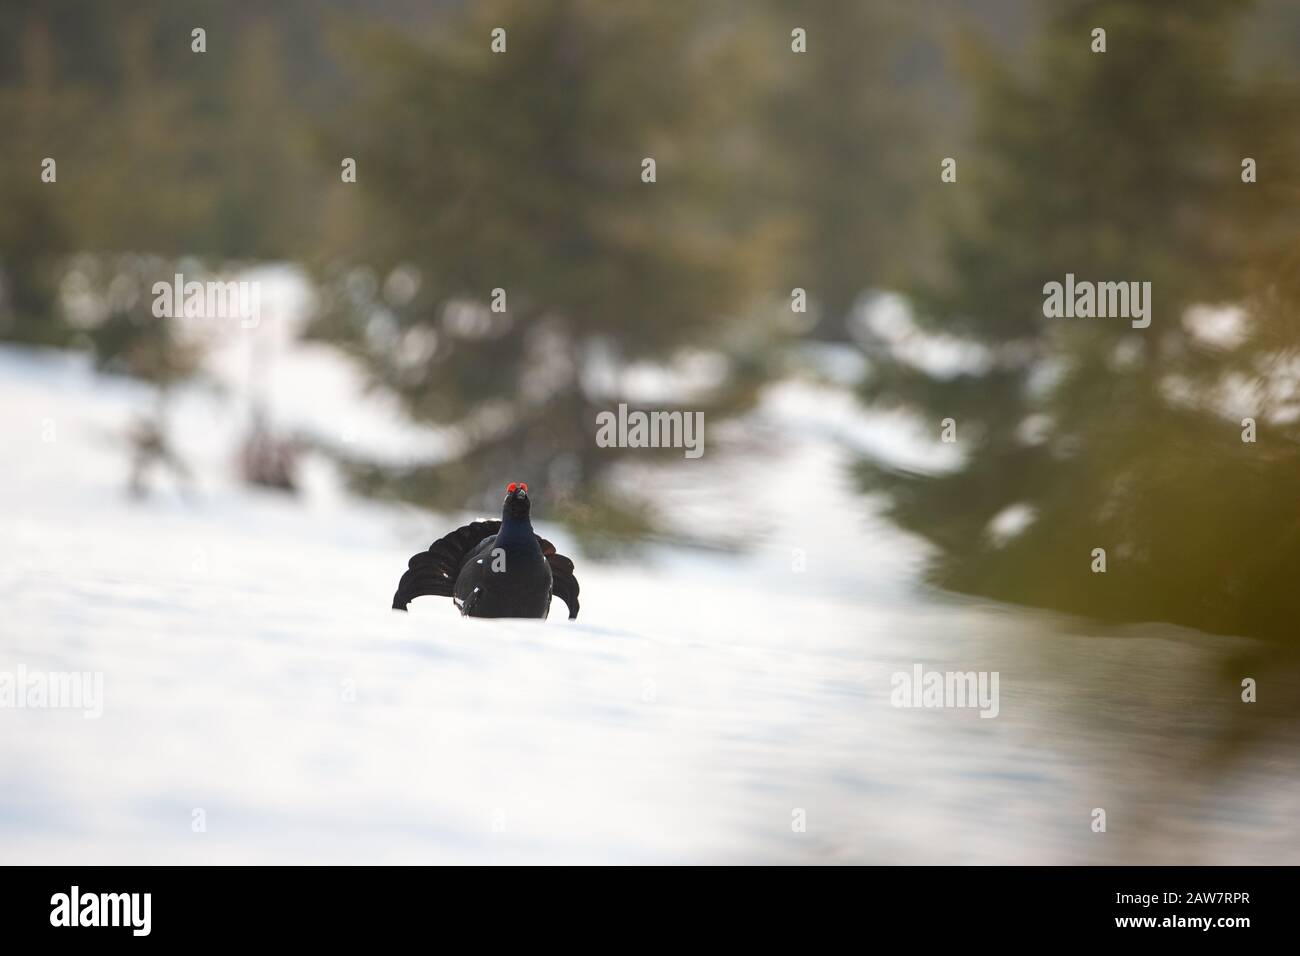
<point>510,488</point>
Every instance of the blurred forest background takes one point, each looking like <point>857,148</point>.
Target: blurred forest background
<point>775,171</point>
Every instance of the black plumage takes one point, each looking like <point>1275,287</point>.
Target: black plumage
<point>493,568</point>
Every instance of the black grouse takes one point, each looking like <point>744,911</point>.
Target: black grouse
<point>493,568</point>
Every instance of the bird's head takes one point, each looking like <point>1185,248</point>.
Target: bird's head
<point>516,504</point>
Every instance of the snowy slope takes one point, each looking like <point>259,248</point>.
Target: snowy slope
<point>253,670</point>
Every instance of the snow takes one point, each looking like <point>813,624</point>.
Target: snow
<point>254,672</point>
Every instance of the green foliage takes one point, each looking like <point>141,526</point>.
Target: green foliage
<point>843,132</point>
<point>160,151</point>
<point>1123,165</point>
<point>522,172</point>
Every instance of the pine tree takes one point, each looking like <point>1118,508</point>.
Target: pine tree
<point>843,125</point>
<point>512,259</point>
<point>1122,165</point>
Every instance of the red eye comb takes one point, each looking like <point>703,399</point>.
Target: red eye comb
<point>511,488</point>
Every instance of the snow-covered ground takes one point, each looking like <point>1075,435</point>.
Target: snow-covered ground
<point>699,709</point>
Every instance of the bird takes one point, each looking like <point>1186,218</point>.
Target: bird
<point>493,568</point>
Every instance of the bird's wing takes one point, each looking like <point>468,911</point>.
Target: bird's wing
<point>563,584</point>
<point>434,571</point>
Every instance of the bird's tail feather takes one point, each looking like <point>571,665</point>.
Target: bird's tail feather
<point>434,571</point>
